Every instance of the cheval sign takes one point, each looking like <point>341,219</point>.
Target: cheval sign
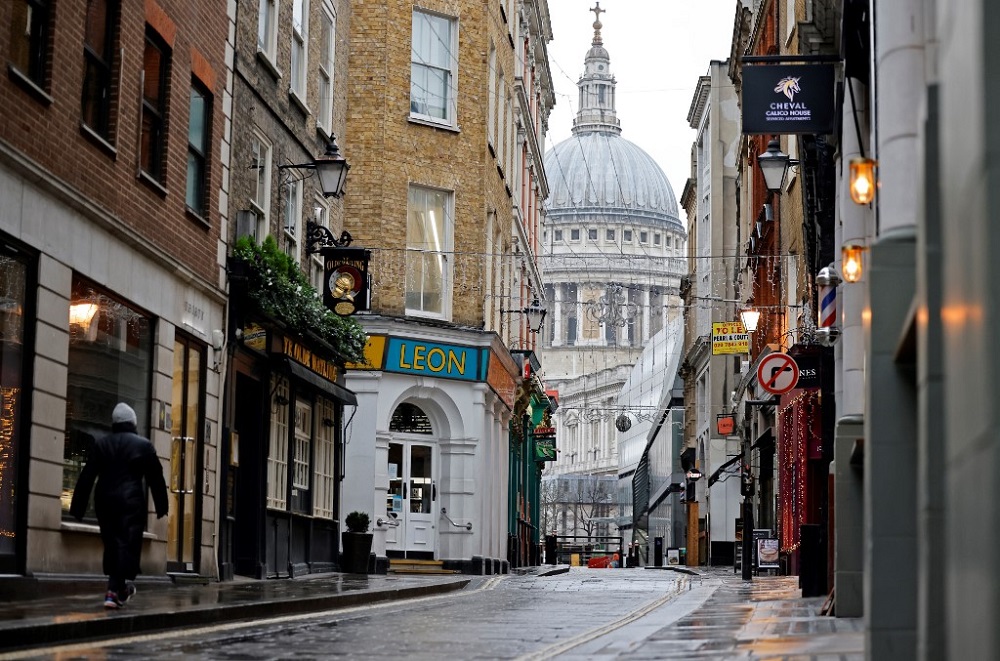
<point>788,98</point>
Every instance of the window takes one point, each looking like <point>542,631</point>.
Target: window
<point>657,239</point>
<point>328,49</point>
<point>643,237</point>
<point>574,234</point>
<point>302,456</point>
<point>491,112</point>
<point>326,460</point>
<point>428,240</point>
<point>267,29</point>
<point>155,73</point>
<point>29,39</point>
<point>277,457</point>
<point>300,42</point>
<point>558,235</point>
<point>98,55</point>
<point>592,234</point>
<point>627,236</point>
<point>260,188</point>
<point>293,218</point>
<point>198,141</point>
<point>432,67</point>
<point>110,338</point>
<point>321,215</point>
<point>609,235</point>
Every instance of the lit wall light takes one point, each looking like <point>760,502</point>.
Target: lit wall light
<point>863,180</point>
<point>82,314</point>
<point>852,265</point>
<point>750,319</point>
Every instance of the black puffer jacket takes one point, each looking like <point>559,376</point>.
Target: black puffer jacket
<point>120,462</point>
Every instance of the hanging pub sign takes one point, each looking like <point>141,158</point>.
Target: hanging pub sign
<point>345,280</point>
<point>545,438</point>
<point>788,98</point>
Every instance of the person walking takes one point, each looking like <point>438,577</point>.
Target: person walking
<point>120,462</point>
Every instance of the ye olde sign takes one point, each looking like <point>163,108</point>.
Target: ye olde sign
<point>345,279</point>
<point>788,98</point>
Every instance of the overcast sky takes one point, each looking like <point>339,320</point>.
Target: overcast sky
<point>658,49</point>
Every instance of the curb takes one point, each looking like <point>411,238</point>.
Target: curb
<point>26,635</point>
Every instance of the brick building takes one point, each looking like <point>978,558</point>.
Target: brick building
<point>110,222</point>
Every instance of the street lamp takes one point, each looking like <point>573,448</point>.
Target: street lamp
<point>851,261</point>
<point>331,169</point>
<point>535,314</point>
<point>773,165</point>
<point>750,318</point>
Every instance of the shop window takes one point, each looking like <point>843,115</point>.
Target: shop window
<point>302,456</point>
<point>325,463</point>
<point>277,457</point>
<point>110,361</point>
<point>14,273</point>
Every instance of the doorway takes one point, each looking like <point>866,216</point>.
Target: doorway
<point>187,422</point>
<point>411,500</point>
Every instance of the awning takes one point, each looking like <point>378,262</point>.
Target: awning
<point>334,391</point>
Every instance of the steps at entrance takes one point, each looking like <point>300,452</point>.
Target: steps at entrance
<point>409,566</point>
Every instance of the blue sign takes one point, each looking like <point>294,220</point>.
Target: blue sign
<point>448,361</point>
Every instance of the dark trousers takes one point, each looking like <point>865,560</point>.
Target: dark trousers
<point>121,533</point>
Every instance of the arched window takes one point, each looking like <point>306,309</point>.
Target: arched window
<point>410,419</point>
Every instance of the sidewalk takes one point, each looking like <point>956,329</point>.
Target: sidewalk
<point>73,610</point>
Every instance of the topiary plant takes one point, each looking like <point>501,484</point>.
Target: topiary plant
<point>357,522</point>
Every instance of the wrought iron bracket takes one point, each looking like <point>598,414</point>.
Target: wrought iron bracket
<point>319,236</point>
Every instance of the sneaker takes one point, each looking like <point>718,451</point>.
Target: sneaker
<point>111,601</point>
<point>130,591</point>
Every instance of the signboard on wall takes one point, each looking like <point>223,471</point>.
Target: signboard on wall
<point>729,337</point>
<point>788,99</point>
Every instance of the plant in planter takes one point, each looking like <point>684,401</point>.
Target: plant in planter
<point>279,289</point>
<point>356,542</point>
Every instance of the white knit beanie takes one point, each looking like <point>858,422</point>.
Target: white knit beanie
<point>123,413</point>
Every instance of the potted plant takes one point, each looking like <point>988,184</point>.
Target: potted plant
<point>357,543</point>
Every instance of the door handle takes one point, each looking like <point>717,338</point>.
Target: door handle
<point>404,490</point>
<point>434,491</point>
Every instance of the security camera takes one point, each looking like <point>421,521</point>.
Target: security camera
<point>827,336</point>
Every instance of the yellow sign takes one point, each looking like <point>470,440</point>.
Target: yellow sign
<point>729,337</point>
<point>305,357</point>
<point>374,354</point>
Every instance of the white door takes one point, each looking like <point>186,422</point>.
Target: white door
<point>412,499</point>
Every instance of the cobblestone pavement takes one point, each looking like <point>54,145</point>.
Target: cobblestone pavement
<point>581,614</point>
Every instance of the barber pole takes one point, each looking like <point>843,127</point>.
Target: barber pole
<point>827,281</point>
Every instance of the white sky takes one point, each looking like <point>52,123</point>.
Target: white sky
<point>658,49</point>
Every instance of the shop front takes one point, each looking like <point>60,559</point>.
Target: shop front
<point>283,456</point>
<point>427,452</point>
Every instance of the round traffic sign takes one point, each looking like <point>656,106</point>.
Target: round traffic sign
<point>778,373</point>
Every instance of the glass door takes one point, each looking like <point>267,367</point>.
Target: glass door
<point>411,499</point>
<point>184,517</point>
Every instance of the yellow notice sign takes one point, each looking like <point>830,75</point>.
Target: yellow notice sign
<point>729,337</point>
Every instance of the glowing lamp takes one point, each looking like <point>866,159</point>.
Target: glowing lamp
<point>862,180</point>
<point>851,262</point>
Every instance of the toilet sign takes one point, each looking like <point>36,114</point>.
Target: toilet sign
<point>778,373</point>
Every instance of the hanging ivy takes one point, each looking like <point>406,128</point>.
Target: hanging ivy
<point>279,289</point>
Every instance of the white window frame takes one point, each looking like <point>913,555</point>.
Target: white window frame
<point>292,221</point>
<point>435,251</point>
<point>419,62</point>
<point>325,69</point>
<point>324,463</point>
<point>491,114</point>
<point>321,216</point>
<point>302,458</point>
<point>267,30</point>
<point>299,52</point>
<point>260,202</point>
<point>277,457</point>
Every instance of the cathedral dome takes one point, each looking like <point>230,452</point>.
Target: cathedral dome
<point>602,172</point>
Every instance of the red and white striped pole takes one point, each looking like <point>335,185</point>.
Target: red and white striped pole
<point>827,281</point>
